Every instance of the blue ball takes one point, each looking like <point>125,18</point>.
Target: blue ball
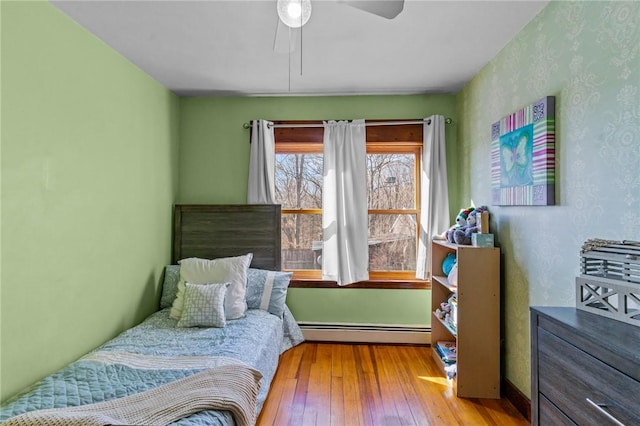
<point>448,263</point>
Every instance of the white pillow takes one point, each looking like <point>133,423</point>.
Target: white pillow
<point>232,270</point>
<point>203,306</point>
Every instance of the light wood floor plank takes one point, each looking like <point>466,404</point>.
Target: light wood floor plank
<point>302,385</point>
<point>390,389</point>
<point>325,384</point>
<point>337,401</point>
<point>290,369</point>
<point>285,404</point>
<point>270,411</point>
<point>432,389</point>
<point>354,412</point>
<point>404,385</point>
<point>336,360</point>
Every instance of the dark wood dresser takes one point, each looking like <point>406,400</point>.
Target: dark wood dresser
<point>585,369</point>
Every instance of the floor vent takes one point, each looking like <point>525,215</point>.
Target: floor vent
<point>365,333</point>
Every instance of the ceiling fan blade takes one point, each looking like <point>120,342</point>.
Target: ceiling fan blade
<point>285,38</point>
<point>386,8</point>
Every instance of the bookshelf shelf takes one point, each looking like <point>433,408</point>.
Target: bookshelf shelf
<point>445,283</point>
<point>440,363</point>
<point>447,327</point>
<point>477,333</point>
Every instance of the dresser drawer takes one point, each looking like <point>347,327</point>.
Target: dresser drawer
<point>551,415</point>
<point>576,383</point>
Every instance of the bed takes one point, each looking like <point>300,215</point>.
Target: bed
<point>159,363</point>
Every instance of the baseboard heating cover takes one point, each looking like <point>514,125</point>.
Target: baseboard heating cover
<point>366,333</point>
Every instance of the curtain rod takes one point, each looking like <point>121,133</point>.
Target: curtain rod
<point>447,120</point>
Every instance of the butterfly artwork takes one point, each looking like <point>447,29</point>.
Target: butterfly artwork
<point>523,150</point>
<point>516,157</point>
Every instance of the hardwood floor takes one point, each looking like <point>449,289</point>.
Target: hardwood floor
<point>324,384</point>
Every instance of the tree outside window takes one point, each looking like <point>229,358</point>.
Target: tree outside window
<point>392,197</point>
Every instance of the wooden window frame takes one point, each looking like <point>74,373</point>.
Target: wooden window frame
<point>405,138</point>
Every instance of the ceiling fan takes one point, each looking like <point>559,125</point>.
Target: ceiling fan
<point>293,14</point>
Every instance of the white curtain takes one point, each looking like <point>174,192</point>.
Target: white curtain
<point>434,194</point>
<point>345,252</point>
<point>261,188</point>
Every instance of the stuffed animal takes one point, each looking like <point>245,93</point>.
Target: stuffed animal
<point>448,263</point>
<point>462,235</point>
<point>461,220</point>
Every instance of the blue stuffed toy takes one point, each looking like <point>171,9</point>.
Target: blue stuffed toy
<point>447,263</point>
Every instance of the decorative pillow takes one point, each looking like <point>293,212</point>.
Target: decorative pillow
<point>203,305</point>
<point>232,270</point>
<point>267,290</point>
<point>170,285</point>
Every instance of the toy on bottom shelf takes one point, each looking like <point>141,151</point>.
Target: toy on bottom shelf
<point>462,235</point>
<point>451,370</point>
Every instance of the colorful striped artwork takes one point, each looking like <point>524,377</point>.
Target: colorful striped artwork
<point>523,152</point>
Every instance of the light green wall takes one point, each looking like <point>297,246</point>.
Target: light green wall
<point>214,161</point>
<point>587,55</point>
<point>89,174</point>
<point>361,306</point>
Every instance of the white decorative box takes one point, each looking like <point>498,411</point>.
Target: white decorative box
<point>482,240</point>
<point>609,284</point>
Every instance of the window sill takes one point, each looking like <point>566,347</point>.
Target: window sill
<point>380,284</point>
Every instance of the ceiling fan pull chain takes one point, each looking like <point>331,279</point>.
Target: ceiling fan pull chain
<point>289,59</point>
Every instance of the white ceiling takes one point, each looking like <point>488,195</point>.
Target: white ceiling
<point>215,48</point>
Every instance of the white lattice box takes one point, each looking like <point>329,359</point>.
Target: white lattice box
<point>610,281</point>
<point>609,298</point>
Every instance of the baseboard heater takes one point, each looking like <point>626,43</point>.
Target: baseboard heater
<point>365,333</point>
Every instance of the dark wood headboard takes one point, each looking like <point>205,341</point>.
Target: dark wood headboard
<point>214,231</point>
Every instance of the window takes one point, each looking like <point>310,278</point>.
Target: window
<point>393,167</point>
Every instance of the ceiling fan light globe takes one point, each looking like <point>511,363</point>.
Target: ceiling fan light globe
<point>294,10</point>
<point>294,13</point>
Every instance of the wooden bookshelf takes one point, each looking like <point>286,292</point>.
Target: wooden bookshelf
<point>477,334</point>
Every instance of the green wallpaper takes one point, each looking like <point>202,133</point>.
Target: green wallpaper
<point>89,174</point>
<point>587,55</point>
<point>214,161</point>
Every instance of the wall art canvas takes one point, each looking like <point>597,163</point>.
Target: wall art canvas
<point>523,150</point>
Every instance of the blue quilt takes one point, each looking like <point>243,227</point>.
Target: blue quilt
<point>256,340</point>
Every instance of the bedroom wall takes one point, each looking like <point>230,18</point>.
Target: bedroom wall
<point>89,174</point>
<point>587,55</point>
<point>214,161</point>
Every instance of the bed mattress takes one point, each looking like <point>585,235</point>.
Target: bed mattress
<point>119,367</point>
